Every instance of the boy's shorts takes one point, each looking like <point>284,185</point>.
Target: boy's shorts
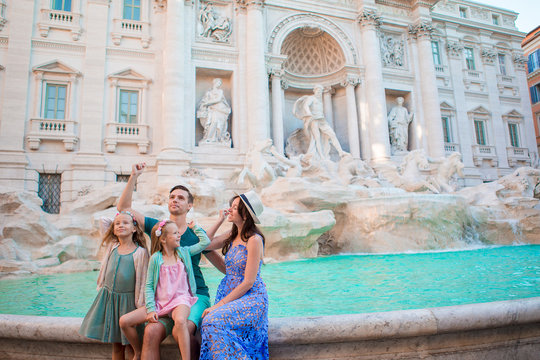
<point>195,314</point>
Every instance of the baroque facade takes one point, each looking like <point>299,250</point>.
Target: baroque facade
<point>89,87</point>
<point>531,47</point>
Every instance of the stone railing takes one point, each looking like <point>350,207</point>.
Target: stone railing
<point>440,69</point>
<point>131,29</point>
<point>481,152</point>
<point>473,75</point>
<point>52,130</point>
<point>505,79</point>
<point>517,154</point>
<point>496,331</point>
<point>117,133</point>
<point>451,147</point>
<point>63,20</point>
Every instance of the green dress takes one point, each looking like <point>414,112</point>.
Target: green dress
<point>114,299</point>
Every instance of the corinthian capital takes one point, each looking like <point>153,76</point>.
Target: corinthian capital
<point>245,4</point>
<point>488,56</point>
<point>369,17</point>
<point>454,48</point>
<point>421,29</point>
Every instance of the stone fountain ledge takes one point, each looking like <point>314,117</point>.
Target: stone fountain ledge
<point>496,330</point>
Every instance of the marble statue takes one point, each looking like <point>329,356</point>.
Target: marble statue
<point>214,26</point>
<point>213,114</point>
<point>256,169</point>
<point>398,125</point>
<point>309,108</point>
<point>408,176</point>
<point>293,165</point>
<point>446,170</point>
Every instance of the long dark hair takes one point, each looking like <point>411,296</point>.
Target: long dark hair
<point>248,230</point>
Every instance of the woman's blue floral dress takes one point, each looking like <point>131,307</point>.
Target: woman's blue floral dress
<point>239,329</point>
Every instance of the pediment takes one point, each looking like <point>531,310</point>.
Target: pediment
<point>513,114</point>
<point>128,74</point>
<point>446,106</point>
<point>480,111</point>
<point>56,67</point>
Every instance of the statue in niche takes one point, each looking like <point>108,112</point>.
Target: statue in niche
<point>392,51</point>
<point>214,26</point>
<point>398,126</point>
<point>309,108</point>
<point>213,113</point>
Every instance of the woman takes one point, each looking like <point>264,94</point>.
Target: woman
<point>236,327</point>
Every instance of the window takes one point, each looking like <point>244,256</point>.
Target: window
<point>447,133</point>
<point>49,190</point>
<point>513,131</point>
<point>62,5</point>
<point>495,19</point>
<point>55,101</point>
<point>502,64</point>
<point>128,106</point>
<point>535,93</point>
<point>534,61</point>
<point>132,10</point>
<point>463,12</point>
<point>480,132</point>
<point>436,52</point>
<point>469,58</point>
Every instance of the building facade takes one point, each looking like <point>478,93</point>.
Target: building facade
<point>88,87</point>
<point>531,48</point>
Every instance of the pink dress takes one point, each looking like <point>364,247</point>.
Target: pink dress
<point>173,289</point>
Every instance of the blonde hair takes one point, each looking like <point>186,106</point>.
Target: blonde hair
<point>137,237</point>
<point>156,239</point>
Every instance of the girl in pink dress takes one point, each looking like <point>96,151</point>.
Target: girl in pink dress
<point>170,286</point>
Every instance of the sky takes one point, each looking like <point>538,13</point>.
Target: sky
<point>529,11</point>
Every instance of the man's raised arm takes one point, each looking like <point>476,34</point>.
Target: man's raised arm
<point>126,199</point>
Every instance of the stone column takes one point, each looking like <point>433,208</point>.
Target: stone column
<point>499,131</point>
<point>352,117</point>
<point>361,106</point>
<point>257,78</point>
<point>327,103</point>
<point>175,136</point>
<point>529,140</point>
<point>17,67</point>
<point>378,127</point>
<point>277,110</point>
<point>240,121</point>
<point>428,87</point>
<point>465,130</point>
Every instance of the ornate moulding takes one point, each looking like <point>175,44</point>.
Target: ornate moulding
<point>217,55</point>
<point>292,22</point>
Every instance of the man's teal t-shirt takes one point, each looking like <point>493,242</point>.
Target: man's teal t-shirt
<point>188,238</point>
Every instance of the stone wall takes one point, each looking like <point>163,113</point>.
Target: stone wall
<point>497,330</point>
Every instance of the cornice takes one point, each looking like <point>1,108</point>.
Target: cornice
<point>44,44</point>
<point>130,53</point>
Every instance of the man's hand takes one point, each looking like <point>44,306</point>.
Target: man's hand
<point>137,169</point>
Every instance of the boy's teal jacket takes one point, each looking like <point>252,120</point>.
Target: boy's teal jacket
<point>184,253</point>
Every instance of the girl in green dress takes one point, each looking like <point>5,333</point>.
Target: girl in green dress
<point>120,282</point>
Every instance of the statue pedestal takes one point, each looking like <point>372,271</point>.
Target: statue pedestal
<point>215,145</point>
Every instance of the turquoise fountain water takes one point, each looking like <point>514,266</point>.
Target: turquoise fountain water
<point>330,285</point>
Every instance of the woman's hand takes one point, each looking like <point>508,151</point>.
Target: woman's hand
<point>191,224</point>
<point>223,214</point>
<point>152,317</point>
<point>210,309</point>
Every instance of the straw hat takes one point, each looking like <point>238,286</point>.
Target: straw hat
<point>253,204</point>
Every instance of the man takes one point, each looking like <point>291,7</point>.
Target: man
<point>180,202</point>
<point>309,109</point>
